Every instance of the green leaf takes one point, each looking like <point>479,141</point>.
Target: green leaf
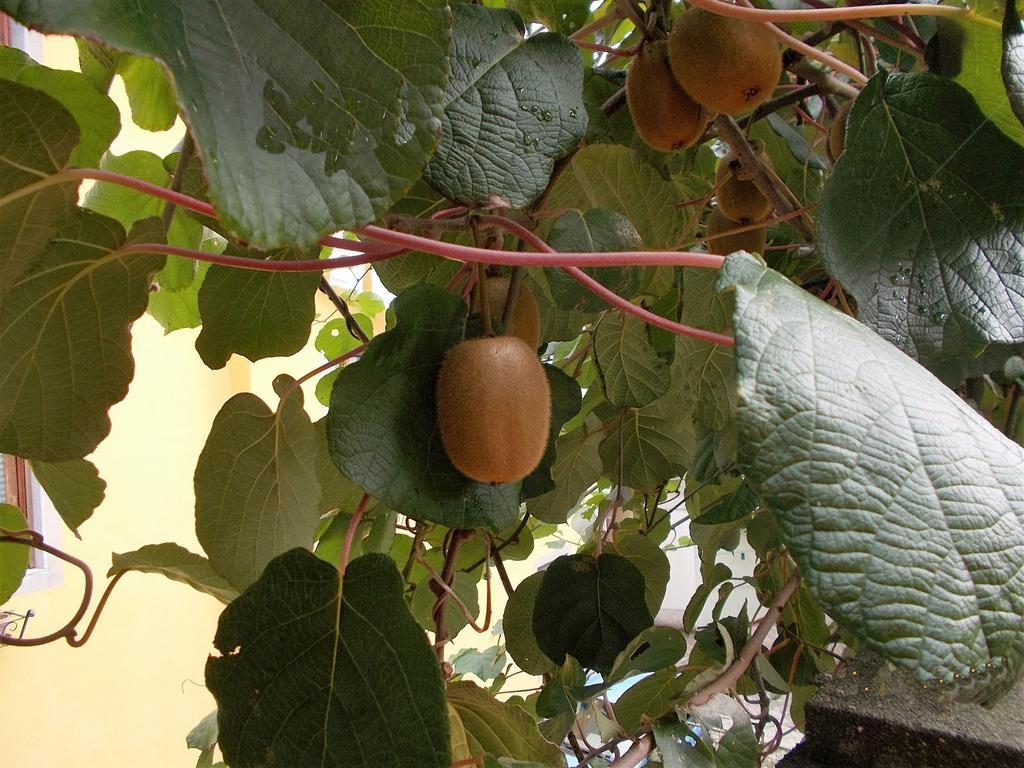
<point>644,552</point>
<point>65,338</point>
<point>652,650</point>
<point>734,507</point>
<point>712,574</point>
<point>178,564</point>
<point>566,401</point>
<point>656,443</point>
<point>513,106</point>
<point>179,309</point>
<point>557,15</point>
<point>517,623</point>
<point>577,466</point>
<point>97,63</point>
<point>738,747</point>
<point>615,177</point>
<point>969,49</point>
<point>257,492</point>
<point>381,427</point>
<point>74,487</point>
<point>13,557</point>
<point>705,372</point>
<point>150,93</point>
<point>673,740</point>
<point>593,230</point>
<point>561,694</point>
<point>633,373</point>
<point>498,729</point>
<point>128,206</point>
<point>37,137</point>
<point>336,490</point>
<point>1013,59</point>
<point>589,608</point>
<point>313,675</point>
<point>256,314</point>
<point>928,568</point>
<point>96,114</point>
<point>649,699</point>
<point>939,285</point>
<point>423,600</point>
<point>293,142</point>
<point>487,664</point>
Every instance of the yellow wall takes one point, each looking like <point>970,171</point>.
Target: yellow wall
<point>129,696</point>
<point>125,697</point>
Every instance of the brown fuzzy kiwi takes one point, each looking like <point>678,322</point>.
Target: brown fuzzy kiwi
<point>837,132</point>
<point>493,408</point>
<point>525,321</point>
<point>753,240</point>
<point>664,114</point>
<point>740,199</point>
<point>728,65</point>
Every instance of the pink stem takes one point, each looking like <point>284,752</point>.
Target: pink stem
<point>610,296</point>
<point>326,367</point>
<point>259,265</point>
<point>826,14</point>
<point>457,210</point>
<point>550,258</point>
<point>139,185</point>
<point>350,534</point>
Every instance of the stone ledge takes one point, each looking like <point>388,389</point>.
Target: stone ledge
<point>871,715</point>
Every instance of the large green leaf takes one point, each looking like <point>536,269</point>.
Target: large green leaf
<point>651,444</point>
<point>98,119</point>
<point>498,729</point>
<point>633,373</point>
<point>617,178</point>
<point>643,552</point>
<point>178,564</point>
<point>65,338</point>
<point>929,246</point>
<point>1012,65</point>
<point>424,599</point>
<point>317,671</point>
<point>517,623</point>
<point>968,49</point>
<point>257,493</point>
<point>13,557</point>
<point>577,466</point>
<point>513,106</point>
<point>37,137</point>
<point>150,92</point>
<point>704,371</point>
<point>925,566</point>
<point>589,608</point>
<point>74,487</point>
<point>595,229</point>
<point>649,699</point>
<point>255,313</point>
<point>382,430</point>
<point>294,143</point>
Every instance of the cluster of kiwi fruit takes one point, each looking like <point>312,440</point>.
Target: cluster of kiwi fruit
<point>710,64</point>
<point>493,399</point>
<point>740,202</point>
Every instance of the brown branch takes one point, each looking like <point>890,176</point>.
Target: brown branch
<point>731,676</point>
<point>447,575</point>
<point>767,182</point>
<point>187,150</point>
<point>514,281</point>
<point>339,303</point>
<point>635,754</point>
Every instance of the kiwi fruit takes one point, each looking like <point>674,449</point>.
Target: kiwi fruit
<point>493,408</point>
<point>837,132</point>
<point>740,199</point>
<point>753,240</point>
<point>728,65</point>
<point>525,320</point>
<point>665,116</point>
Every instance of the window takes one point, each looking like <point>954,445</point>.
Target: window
<point>18,487</point>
